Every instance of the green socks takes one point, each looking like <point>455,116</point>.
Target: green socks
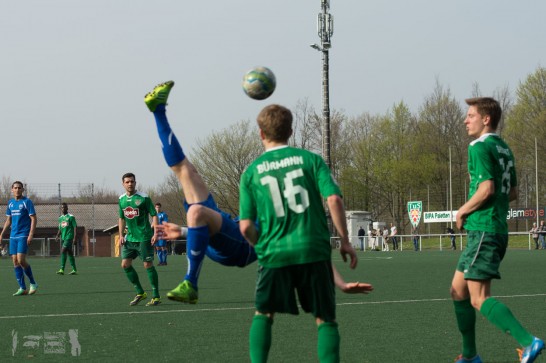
<point>154,281</point>
<point>133,277</point>
<point>328,343</point>
<point>260,338</point>
<point>499,314</point>
<point>72,262</point>
<point>63,260</point>
<point>70,258</point>
<point>466,321</point>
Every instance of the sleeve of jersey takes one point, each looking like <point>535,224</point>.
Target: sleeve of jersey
<point>150,206</point>
<point>31,210</point>
<point>74,224</point>
<point>247,209</point>
<point>120,210</point>
<point>483,162</point>
<point>326,183</point>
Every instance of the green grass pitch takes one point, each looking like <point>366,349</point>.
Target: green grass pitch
<point>408,318</point>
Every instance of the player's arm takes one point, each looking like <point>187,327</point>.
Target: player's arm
<point>7,224</point>
<point>337,211</point>
<point>75,230</point>
<point>33,221</point>
<point>486,190</point>
<point>155,222</point>
<point>121,228</point>
<point>350,287</point>
<point>249,231</point>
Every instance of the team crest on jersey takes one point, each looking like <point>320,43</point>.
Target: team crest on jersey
<point>137,202</point>
<point>130,212</point>
<point>414,212</point>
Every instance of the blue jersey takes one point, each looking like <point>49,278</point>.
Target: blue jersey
<point>162,217</point>
<point>20,212</point>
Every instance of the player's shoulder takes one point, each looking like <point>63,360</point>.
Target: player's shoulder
<point>142,194</point>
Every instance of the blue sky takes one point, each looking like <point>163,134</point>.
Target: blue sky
<point>73,73</point>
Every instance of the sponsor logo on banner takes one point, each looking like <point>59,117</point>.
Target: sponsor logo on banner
<point>442,216</point>
<point>414,212</point>
<point>525,213</point>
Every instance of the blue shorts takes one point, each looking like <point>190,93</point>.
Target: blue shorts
<point>228,247</point>
<point>18,245</point>
<point>161,243</point>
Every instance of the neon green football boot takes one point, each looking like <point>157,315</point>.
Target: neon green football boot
<point>60,272</point>
<point>154,302</point>
<point>20,292</point>
<point>183,293</point>
<point>159,95</point>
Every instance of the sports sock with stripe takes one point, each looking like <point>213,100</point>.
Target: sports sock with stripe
<point>172,151</point>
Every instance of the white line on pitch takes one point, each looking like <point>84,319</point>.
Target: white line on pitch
<point>239,308</point>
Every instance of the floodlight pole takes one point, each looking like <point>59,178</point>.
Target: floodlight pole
<point>325,30</point>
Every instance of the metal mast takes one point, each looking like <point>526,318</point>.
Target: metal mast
<point>325,30</point>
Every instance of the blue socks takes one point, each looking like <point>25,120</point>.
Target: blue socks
<point>197,243</point>
<point>172,151</point>
<point>162,256</point>
<point>20,277</point>
<point>28,272</point>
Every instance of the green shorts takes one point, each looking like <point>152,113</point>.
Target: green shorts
<point>314,282</point>
<point>132,250</point>
<point>67,244</point>
<point>482,256</point>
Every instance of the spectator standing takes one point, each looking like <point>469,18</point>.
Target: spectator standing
<point>361,234</point>
<point>534,234</point>
<point>542,235</point>
<point>394,238</point>
<point>452,238</point>
<point>385,239</point>
<point>415,236</point>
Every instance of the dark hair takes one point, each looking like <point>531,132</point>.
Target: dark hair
<point>17,182</point>
<point>128,175</point>
<point>64,204</point>
<point>487,106</point>
<point>158,204</point>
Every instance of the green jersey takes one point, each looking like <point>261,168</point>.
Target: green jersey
<point>490,158</point>
<point>283,189</point>
<point>67,223</point>
<point>136,210</point>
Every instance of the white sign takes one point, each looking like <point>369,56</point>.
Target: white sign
<point>443,216</point>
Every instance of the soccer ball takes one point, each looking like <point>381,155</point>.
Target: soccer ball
<point>259,83</point>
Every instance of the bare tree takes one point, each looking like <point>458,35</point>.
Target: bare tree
<point>221,159</point>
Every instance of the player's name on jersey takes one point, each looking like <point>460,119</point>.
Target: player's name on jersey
<point>279,164</point>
